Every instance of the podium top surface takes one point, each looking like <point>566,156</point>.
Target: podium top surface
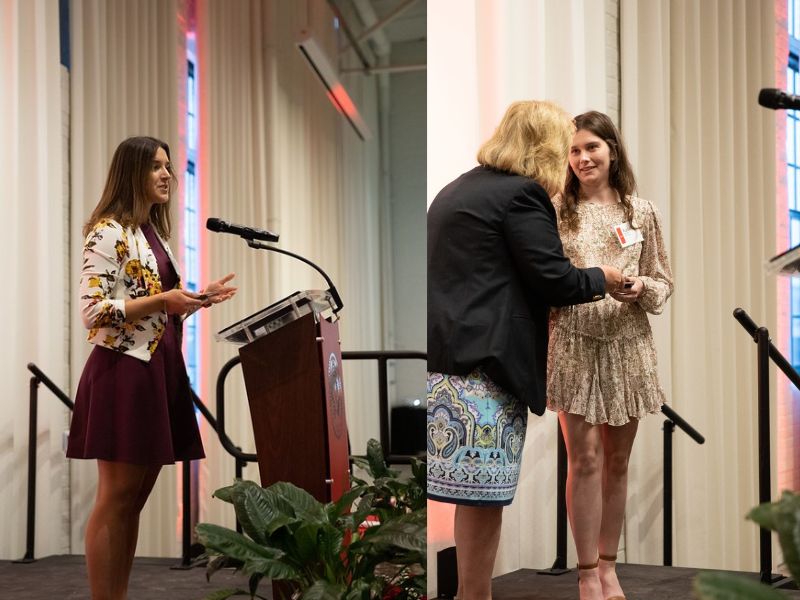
<point>786,263</point>
<point>276,315</point>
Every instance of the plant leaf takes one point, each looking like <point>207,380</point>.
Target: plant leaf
<point>233,544</point>
<point>360,590</point>
<point>725,586</point>
<point>255,511</point>
<point>343,504</point>
<point>323,590</point>
<point>216,563</point>
<point>419,472</point>
<point>407,532</point>
<point>784,518</point>
<point>377,465</point>
<point>305,544</point>
<point>224,494</point>
<point>364,509</point>
<point>223,594</point>
<point>274,569</point>
<point>329,543</point>
<point>295,501</point>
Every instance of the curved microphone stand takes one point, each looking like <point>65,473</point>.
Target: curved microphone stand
<point>331,288</point>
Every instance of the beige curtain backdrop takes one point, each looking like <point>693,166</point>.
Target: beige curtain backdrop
<point>705,153</point>
<point>125,81</point>
<point>36,327</point>
<point>278,155</point>
<point>493,53</point>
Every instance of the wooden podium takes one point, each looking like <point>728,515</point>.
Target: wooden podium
<point>293,377</point>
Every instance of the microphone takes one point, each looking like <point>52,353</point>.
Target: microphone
<point>776,99</point>
<point>247,233</point>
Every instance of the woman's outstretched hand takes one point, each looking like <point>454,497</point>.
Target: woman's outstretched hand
<point>217,291</point>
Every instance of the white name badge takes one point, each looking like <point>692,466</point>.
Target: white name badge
<point>627,235</point>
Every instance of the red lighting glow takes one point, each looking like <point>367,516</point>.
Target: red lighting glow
<point>788,398</point>
<point>343,103</point>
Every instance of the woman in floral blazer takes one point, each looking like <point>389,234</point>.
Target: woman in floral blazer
<point>133,410</point>
<point>119,265</point>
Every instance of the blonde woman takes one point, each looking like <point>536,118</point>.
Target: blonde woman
<point>495,266</point>
<point>602,375</point>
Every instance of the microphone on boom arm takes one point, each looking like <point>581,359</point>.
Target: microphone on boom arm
<point>777,99</point>
<point>248,233</point>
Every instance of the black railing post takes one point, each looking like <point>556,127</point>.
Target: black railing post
<point>669,429</point>
<point>383,398</point>
<point>33,407</point>
<point>764,492</point>
<point>560,563</point>
<point>38,377</point>
<point>239,474</point>
<point>186,513</point>
<point>673,420</point>
<point>561,499</point>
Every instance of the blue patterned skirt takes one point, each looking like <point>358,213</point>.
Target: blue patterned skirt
<point>475,436</point>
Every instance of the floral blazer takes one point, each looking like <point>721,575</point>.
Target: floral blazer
<point>119,265</point>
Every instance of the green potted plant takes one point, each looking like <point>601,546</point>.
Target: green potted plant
<point>782,517</point>
<point>325,551</point>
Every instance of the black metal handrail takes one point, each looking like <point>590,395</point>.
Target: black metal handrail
<point>33,418</point>
<point>749,325</point>
<point>383,358</point>
<point>766,350</point>
<point>673,420</point>
<point>229,446</point>
<point>217,424</point>
<point>42,378</point>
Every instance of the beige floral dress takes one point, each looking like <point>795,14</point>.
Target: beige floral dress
<point>602,359</point>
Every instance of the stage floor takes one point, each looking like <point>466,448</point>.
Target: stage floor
<point>641,582</point>
<point>64,578</point>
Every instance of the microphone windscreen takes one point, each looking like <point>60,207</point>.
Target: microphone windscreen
<point>770,98</point>
<point>215,224</point>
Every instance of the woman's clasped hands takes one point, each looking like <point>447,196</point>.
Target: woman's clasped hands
<point>631,290</point>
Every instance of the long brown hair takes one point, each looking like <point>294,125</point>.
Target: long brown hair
<point>620,172</point>
<point>124,197</point>
<point>532,140</point>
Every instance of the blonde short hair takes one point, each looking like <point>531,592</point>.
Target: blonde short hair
<point>532,140</point>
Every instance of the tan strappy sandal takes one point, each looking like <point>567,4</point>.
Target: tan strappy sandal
<point>587,567</point>
<point>594,565</point>
<point>610,558</point>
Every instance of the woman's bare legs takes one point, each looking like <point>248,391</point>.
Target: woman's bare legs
<point>584,496</point>
<point>144,493</point>
<point>113,526</point>
<point>617,446</point>
<point>477,534</point>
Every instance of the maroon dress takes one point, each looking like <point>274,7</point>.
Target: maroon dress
<point>128,410</point>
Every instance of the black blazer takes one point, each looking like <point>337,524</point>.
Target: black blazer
<point>495,266</point>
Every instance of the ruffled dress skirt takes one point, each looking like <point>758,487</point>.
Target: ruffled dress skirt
<point>475,435</point>
<point>602,363</point>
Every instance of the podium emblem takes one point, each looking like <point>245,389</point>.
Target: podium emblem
<point>335,395</point>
